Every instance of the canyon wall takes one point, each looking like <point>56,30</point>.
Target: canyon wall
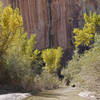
<point>53,20</point>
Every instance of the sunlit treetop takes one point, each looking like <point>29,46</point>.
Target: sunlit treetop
<point>85,35</point>
<point>52,58</point>
<point>12,35</point>
<point>11,23</point>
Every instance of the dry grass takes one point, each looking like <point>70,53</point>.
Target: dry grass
<point>85,69</point>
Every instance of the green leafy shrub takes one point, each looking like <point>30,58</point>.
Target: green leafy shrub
<point>17,53</point>
<point>46,81</point>
<point>20,62</point>
<point>22,71</point>
<point>84,69</point>
<point>73,67</point>
<point>52,58</point>
<point>10,27</point>
<point>20,59</point>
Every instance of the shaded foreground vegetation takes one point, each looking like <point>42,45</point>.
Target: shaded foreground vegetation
<point>84,69</point>
<point>27,68</point>
<point>21,65</point>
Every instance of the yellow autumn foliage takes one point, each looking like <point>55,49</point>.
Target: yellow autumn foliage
<point>85,35</point>
<point>12,33</point>
<point>10,25</point>
<point>52,58</point>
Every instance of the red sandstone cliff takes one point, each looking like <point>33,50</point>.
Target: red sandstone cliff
<point>53,20</point>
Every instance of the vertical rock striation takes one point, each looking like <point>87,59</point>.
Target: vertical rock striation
<point>53,20</point>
